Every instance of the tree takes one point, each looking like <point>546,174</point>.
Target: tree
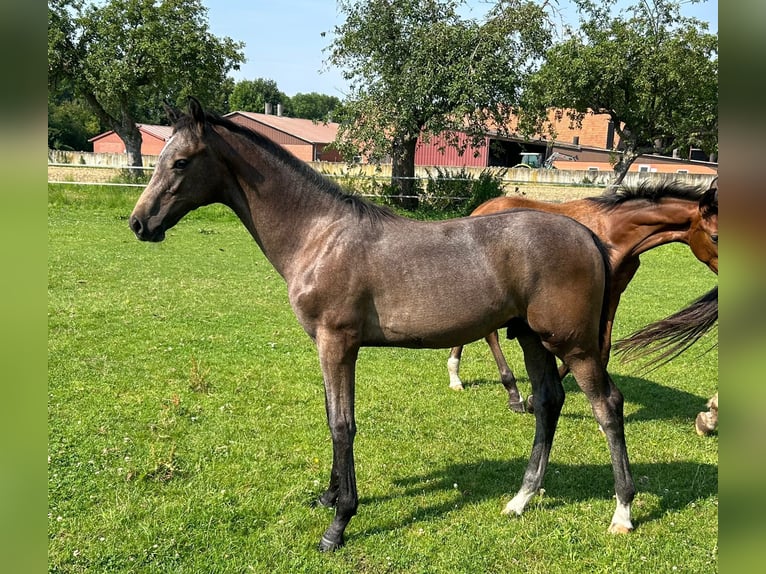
<point>71,122</point>
<point>253,95</point>
<point>124,57</point>
<point>416,68</point>
<point>313,106</point>
<point>654,73</point>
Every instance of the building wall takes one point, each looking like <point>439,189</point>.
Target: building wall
<point>594,131</point>
<point>111,143</point>
<point>430,154</point>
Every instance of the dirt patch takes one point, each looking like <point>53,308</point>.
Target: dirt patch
<point>554,193</point>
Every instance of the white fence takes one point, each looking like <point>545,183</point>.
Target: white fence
<point>107,168</point>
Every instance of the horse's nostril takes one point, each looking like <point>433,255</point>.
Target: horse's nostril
<point>135,224</point>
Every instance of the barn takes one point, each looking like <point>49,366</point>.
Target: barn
<point>306,139</point>
<point>153,139</point>
<point>589,147</point>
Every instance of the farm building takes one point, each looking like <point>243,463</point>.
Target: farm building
<point>306,139</point>
<point>153,139</point>
<point>589,148</point>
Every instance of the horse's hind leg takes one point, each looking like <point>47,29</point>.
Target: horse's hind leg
<point>515,400</point>
<point>453,368</point>
<point>549,399</point>
<point>607,403</point>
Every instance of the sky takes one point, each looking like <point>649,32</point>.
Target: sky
<point>283,40</point>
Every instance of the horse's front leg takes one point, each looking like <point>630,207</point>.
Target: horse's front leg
<point>338,360</point>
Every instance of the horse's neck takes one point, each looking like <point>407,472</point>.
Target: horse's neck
<point>638,227</point>
<point>279,207</point>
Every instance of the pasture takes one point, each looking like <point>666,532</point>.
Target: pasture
<point>187,427</point>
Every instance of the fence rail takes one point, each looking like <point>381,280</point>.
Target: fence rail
<point>82,168</point>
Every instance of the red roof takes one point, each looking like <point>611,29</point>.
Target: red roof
<point>307,130</point>
<point>159,132</point>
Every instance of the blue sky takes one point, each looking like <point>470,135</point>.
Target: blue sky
<point>283,39</point>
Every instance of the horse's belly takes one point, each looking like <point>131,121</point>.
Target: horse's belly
<point>445,324</point>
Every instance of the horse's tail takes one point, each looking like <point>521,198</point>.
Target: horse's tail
<point>673,335</point>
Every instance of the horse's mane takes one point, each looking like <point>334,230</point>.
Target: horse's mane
<point>360,206</point>
<point>648,191</point>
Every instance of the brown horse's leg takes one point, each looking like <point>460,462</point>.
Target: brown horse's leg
<point>338,367</point>
<point>549,399</point>
<point>607,403</point>
<point>515,400</point>
<point>453,368</point>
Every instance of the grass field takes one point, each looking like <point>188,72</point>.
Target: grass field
<point>187,431</point>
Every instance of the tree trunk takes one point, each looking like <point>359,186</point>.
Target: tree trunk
<point>131,137</point>
<point>403,172</point>
<point>623,165</point>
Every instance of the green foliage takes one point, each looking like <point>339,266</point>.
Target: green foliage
<point>652,71</point>
<point>416,67</point>
<point>314,106</point>
<point>187,432</point>
<point>71,123</point>
<point>252,95</point>
<point>125,57</point>
<point>460,192</point>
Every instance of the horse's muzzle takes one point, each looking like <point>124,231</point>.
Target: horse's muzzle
<point>142,231</point>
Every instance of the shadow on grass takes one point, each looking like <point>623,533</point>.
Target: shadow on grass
<point>675,484</point>
<point>657,401</point>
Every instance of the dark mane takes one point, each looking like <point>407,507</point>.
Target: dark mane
<point>360,206</point>
<point>649,191</point>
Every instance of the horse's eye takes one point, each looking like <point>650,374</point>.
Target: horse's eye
<point>180,163</point>
<point>714,237</point>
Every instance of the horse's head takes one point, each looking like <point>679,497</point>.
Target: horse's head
<point>184,178</point>
<point>703,234</point>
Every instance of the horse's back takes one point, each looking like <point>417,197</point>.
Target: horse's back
<point>508,202</point>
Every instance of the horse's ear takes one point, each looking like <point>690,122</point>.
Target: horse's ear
<point>709,200</point>
<point>172,113</point>
<point>196,111</point>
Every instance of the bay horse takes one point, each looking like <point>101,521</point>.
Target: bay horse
<point>358,275</point>
<point>631,220</point>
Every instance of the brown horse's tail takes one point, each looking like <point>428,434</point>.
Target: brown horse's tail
<point>673,335</point>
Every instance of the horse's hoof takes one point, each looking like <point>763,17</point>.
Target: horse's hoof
<point>517,406</point>
<point>327,545</point>
<point>457,387</point>
<point>530,405</point>
<point>511,509</point>
<point>615,528</point>
<point>704,424</point>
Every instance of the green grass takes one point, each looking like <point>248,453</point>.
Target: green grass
<point>187,431</point>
